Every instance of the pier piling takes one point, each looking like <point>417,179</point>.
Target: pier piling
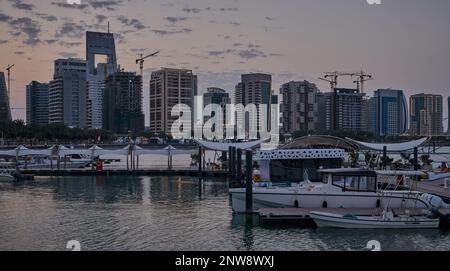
<point>248,182</point>
<point>239,165</point>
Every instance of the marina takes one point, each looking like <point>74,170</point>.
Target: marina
<point>165,214</point>
<point>309,184</point>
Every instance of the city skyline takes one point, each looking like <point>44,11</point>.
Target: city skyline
<point>404,44</point>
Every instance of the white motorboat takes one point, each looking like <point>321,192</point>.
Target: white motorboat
<point>386,220</point>
<point>6,177</point>
<point>67,162</point>
<point>341,188</point>
<point>7,171</point>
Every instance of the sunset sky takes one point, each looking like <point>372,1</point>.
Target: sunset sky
<point>404,44</point>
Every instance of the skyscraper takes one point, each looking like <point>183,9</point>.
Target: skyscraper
<point>448,116</point>
<point>426,115</point>
<point>5,110</point>
<point>388,113</point>
<point>256,89</point>
<point>300,107</point>
<point>102,44</point>
<point>344,109</point>
<point>37,103</point>
<point>219,97</point>
<point>169,87</point>
<point>67,93</point>
<point>122,103</point>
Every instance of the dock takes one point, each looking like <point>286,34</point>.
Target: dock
<point>300,216</point>
<point>120,172</point>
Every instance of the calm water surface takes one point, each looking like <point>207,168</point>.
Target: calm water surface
<point>162,213</point>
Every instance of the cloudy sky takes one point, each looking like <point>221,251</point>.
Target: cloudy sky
<point>405,44</point>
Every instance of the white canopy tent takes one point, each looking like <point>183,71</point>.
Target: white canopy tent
<point>169,151</point>
<point>23,151</point>
<point>218,146</point>
<point>391,147</point>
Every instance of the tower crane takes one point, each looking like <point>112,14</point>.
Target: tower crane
<point>363,77</point>
<point>142,59</point>
<point>9,78</point>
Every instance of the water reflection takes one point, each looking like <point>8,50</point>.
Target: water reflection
<point>162,213</point>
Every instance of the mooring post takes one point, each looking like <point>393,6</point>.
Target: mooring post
<point>229,160</point>
<point>239,165</point>
<point>233,163</point>
<point>248,182</point>
<point>200,160</point>
<point>384,157</point>
<point>416,158</point>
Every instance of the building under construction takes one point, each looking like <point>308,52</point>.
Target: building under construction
<point>122,103</point>
<point>345,108</point>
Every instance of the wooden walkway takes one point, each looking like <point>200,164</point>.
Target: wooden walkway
<point>139,172</point>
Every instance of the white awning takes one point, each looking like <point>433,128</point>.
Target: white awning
<point>391,147</point>
<point>218,146</point>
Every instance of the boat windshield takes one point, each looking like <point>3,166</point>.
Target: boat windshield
<point>355,183</point>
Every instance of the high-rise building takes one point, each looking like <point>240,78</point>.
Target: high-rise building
<point>37,103</point>
<point>321,112</point>
<point>344,109</point>
<point>169,87</point>
<point>388,113</point>
<point>448,116</point>
<point>219,97</point>
<point>426,115</point>
<point>299,107</point>
<point>256,89</point>
<point>98,44</point>
<point>122,103</point>
<point>67,93</point>
<point>5,110</point>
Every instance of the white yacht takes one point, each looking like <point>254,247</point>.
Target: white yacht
<point>341,188</point>
<point>73,161</point>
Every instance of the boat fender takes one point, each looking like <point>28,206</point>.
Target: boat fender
<point>378,203</point>
<point>296,203</point>
<point>325,204</point>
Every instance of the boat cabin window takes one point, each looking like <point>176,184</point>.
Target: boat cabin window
<point>355,183</point>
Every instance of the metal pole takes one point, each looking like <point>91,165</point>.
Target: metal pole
<point>233,163</point>
<point>416,158</point>
<point>229,160</point>
<point>384,157</point>
<point>239,165</point>
<point>249,183</point>
<point>200,160</point>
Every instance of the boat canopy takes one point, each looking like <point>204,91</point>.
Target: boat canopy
<point>391,147</point>
<point>219,146</point>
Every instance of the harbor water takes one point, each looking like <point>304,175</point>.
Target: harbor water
<point>163,213</point>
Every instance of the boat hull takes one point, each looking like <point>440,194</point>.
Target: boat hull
<point>6,178</point>
<point>311,200</point>
<point>329,220</point>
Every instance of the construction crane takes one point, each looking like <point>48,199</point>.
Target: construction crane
<point>142,59</point>
<point>332,78</point>
<point>363,77</point>
<point>9,78</point>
